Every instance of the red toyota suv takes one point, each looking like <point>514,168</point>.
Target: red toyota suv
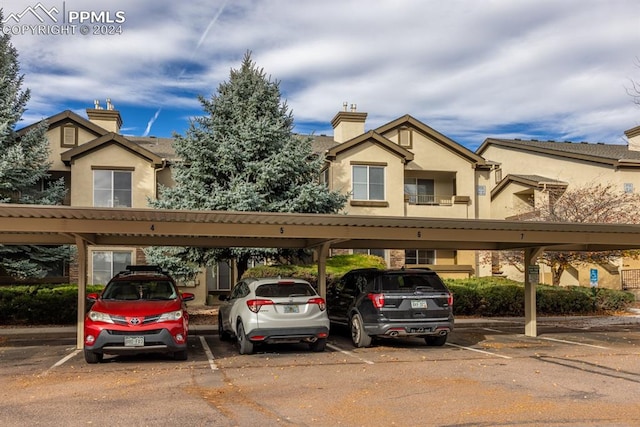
<point>139,311</point>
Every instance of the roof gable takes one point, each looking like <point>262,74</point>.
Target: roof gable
<point>375,138</point>
<point>434,135</point>
<point>531,181</point>
<point>615,155</point>
<point>65,117</point>
<point>106,140</point>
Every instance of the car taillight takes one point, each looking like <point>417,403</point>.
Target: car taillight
<point>320,301</point>
<point>255,304</point>
<point>450,300</point>
<point>377,300</point>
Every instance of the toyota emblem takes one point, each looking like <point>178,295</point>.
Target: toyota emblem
<point>134,321</point>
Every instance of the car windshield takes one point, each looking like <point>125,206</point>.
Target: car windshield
<point>411,282</point>
<point>274,290</point>
<point>140,290</point>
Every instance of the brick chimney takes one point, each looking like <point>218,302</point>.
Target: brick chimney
<point>348,124</point>
<point>107,118</point>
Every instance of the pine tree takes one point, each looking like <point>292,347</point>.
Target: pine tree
<point>24,165</point>
<point>242,155</point>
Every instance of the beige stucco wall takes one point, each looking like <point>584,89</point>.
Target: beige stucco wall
<point>55,149</point>
<point>431,161</point>
<point>112,156</point>
<point>394,177</point>
<point>574,172</point>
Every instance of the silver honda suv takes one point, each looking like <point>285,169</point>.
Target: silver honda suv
<point>273,310</point>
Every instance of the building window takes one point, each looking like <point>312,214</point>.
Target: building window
<point>498,175</point>
<point>107,263</point>
<point>111,188</point>
<point>368,182</point>
<point>419,257</point>
<point>324,177</point>
<point>420,191</point>
<point>481,190</point>
<point>628,187</point>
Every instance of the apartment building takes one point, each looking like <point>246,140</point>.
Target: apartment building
<point>406,168</point>
<point>403,168</point>
<point>526,172</point>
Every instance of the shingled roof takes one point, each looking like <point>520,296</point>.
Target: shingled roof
<point>613,154</point>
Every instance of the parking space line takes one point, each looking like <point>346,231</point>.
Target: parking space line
<point>209,354</point>
<point>493,330</point>
<point>574,343</point>
<point>349,353</point>
<point>477,350</point>
<point>62,361</point>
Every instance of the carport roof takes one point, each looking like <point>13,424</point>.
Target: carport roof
<point>30,224</point>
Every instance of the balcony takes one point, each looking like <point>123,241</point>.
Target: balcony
<point>429,199</point>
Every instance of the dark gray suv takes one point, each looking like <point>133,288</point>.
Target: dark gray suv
<point>392,303</point>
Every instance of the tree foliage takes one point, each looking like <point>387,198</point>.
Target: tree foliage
<point>24,166</point>
<point>242,155</point>
<point>591,203</point>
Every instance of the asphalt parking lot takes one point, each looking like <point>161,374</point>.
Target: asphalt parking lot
<point>577,372</point>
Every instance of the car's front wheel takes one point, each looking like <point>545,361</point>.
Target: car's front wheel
<point>245,346</point>
<point>92,356</point>
<point>358,335</point>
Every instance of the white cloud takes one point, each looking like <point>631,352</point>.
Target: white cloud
<point>467,68</point>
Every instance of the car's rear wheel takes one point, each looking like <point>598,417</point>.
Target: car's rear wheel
<point>318,345</point>
<point>436,341</point>
<point>358,335</point>
<point>92,356</point>
<point>181,355</point>
<point>224,335</point>
<point>244,345</point>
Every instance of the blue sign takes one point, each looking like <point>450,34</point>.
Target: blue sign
<point>593,273</point>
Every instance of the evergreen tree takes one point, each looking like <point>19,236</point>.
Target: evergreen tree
<point>242,155</point>
<point>24,165</point>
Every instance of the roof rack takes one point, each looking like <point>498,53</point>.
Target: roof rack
<point>135,269</point>
<point>155,268</point>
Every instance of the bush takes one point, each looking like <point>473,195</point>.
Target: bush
<point>486,296</point>
<point>337,266</point>
<point>41,304</point>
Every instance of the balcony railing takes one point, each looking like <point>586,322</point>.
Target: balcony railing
<point>429,199</point>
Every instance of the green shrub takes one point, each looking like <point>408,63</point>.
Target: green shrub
<point>41,304</point>
<point>466,299</point>
<point>337,266</point>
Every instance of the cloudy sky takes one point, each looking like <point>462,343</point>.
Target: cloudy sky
<point>471,69</point>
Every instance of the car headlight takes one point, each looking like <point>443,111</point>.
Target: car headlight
<point>172,315</point>
<point>97,316</point>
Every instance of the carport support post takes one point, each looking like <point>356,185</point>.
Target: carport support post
<point>530,282</point>
<point>322,253</point>
<point>81,245</point>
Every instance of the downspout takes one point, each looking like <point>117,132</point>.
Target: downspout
<point>155,176</point>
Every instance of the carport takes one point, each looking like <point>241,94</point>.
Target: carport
<point>85,226</point>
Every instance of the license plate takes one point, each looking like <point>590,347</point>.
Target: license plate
<point>291,309</point>
<point>419,330</point>
<point>419,303</point>
<point>134,341</point>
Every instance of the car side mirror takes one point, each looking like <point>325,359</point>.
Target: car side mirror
<point>187,296</point>
<point>223,297</point>
<point>92,297</point>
